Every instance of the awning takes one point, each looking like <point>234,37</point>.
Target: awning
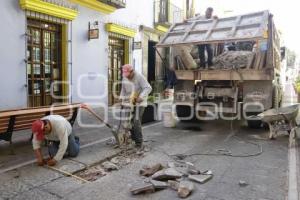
<point>119,29</point>
<point>65,12</point>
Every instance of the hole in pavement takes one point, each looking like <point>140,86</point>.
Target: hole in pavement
<point>108,166</point>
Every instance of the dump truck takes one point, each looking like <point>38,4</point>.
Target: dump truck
<point>244,79</point>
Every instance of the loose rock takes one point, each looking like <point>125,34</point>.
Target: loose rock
<point>149,171</point>
<point>173,184</point>
<point>142,188</point>
<point>243,183</point>
<point>185,189</point>
<point>166,174</point>
<point>159,184</point>
<point>109,166</point>
<point>200,178</point>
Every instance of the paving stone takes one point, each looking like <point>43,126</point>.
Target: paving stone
<point>166,174</point>
<point>185,189</point>
<point>10,186</point>
<point>150,170</point>
<point>63,186</point>
<point>70,166</point>
<point>35,176</point>
<point>200,178</point>
<point>36,194</point>
<point>159,184</point>
<point>109,166</point>
<point>174,185</point>
<point>142,188</point>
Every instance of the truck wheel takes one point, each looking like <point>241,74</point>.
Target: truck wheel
<point>254,124</point>
<point>184,111</point>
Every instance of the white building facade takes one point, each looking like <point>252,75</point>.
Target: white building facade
<point>59,51</point>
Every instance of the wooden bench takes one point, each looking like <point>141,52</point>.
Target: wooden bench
<point>17,120</point>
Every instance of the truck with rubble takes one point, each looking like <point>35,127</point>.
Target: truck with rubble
<point>244,79</point>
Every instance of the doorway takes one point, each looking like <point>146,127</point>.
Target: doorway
<point>44,62</point>
<point>151,61</point>
<point>116,61</point>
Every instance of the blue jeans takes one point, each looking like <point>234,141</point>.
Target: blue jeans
<point>209,50</point>
<point>72,149</point>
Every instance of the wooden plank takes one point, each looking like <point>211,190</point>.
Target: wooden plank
<point>33,111</point>
<point>262,61</point>
<point>251,61</point>
<point>25,121</point>
<point>22,126</point>
<point>257,59</point>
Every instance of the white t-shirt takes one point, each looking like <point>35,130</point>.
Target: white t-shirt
<point>61,129</point>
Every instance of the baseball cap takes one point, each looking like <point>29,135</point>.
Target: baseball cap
<point>38,129</point>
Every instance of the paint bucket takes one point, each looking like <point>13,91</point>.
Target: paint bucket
<point>168,120</point>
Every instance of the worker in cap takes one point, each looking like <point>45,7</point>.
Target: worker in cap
<point>61,141</point>
<point>134,94</point>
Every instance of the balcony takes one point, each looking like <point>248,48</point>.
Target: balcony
<point>166,13</point>
<point>115,3</point>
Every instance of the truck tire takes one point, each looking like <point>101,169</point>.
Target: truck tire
<point>184,111</point>
<point>255,124</point>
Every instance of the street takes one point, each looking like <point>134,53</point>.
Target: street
<point>234,155</point>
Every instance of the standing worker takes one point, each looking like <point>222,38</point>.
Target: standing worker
<point>136,89</point>
<point>208,47</point>
<point>58,131</point>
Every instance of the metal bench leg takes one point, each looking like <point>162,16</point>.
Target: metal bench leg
<point>73,118</point>
<point>9,132</point>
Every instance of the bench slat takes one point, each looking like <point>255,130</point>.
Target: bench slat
<point>40,110</point>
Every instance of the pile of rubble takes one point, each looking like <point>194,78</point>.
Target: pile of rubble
<point>234,59</point>
<point>176,176</point>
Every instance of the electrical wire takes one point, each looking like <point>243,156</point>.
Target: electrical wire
<point>219,152</point>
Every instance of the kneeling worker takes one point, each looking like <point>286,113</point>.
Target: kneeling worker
<point>58,131</point>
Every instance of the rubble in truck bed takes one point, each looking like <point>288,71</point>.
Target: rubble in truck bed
<point>234,59</point>
<point>187,58</point>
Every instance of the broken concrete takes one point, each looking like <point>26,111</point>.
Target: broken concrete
<point>120,160</point>
<point>92,173</point>
<point>159,184</point>
<point>174,185</point>
<point>109,166</point>
<point>166,174</point>
<point>142,188</point>
<point>185,189</point>
<point>201,178</point>
<point>150,170</point>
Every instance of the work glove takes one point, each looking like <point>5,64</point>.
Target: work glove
<point>51,162</point>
